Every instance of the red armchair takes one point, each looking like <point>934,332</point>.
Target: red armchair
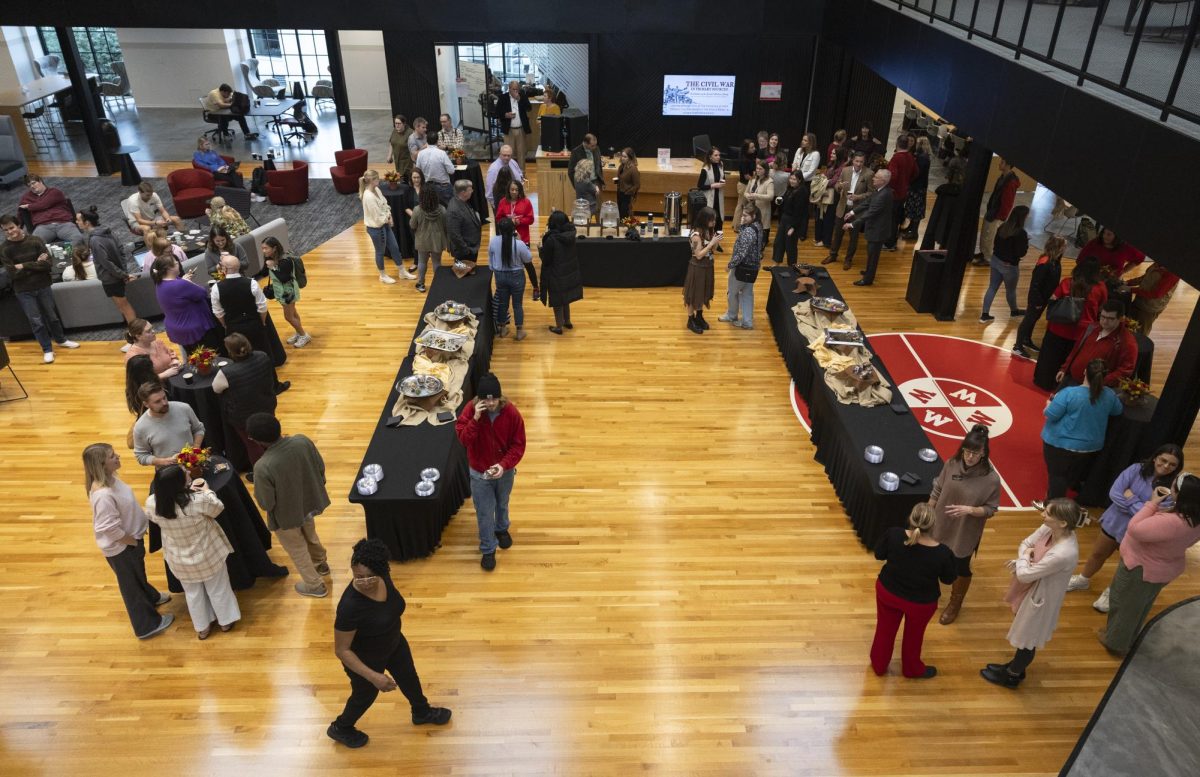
<point>288,187</point>
<point>228,160</point>
<point>351,164</point>
<point>191,190</point>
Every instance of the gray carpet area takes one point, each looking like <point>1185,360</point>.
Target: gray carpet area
<point>309,225</point>
<point>1146,723</point>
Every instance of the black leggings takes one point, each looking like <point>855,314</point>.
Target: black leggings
<point>399,664</point>
<point>1021,661</point>
<point>963,566</point>
<point>1064,469</point>
<point>1025,330</point>
<point>785,244</point>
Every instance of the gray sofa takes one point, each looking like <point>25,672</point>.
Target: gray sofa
<point>12,158</point>
<point>83,304</point>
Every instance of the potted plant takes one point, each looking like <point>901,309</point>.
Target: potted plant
<point>193,459</point>
<point>202,359</point>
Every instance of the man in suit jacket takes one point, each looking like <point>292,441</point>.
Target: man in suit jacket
<point>512,109</point>
<point>588,149</point>
<point>854,186</point>
<point>875,220</point>
<point>462,224</point>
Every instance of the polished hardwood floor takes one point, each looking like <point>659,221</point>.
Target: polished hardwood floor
<point>685,594</point>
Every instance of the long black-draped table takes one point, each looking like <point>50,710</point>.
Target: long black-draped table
<point>841,433</point>
<point>243,525</point>
<point>621,263</point>
<point>412,525</point>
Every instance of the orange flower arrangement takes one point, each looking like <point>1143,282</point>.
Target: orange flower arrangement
<point>392,177</point>
<point>458,156</point>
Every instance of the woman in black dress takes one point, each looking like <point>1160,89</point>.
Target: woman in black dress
<point>367,640</point>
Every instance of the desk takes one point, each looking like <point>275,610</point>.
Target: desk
<point>555,189</point>
<point>621,263</point>
<point>263,109</point>
<point>242,524</point>
<point>412,525</point>
<point>842,432</point>
<point>48,88</point>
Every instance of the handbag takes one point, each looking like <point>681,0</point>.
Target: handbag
<point>1065,310</point>
<point>746,273</point>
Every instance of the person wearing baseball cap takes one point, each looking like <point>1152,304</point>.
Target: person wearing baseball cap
<point>493,432</point>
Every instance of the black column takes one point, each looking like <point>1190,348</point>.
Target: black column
<point>964,228</point>
<point>412,75</point>
<point>84,99</point>
<point>341,98</point>
<point>1180,401</point>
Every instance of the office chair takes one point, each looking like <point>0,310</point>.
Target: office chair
<point>701,145</point>
<point>222,135</point>
<point>238,199</point>
<point>322,91</point>
<point>6,362</point>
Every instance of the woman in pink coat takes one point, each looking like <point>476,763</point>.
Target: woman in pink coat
<point>1041,572</point>
<point>1153,553</point>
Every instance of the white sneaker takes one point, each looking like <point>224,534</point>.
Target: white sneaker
<point>1101,604</point>
<point>303,340</point>
<point>125,348</point>
<point>48,356</point>
<point>386,278</point>
<point>1079,583</point>
<point>292,340</point>
<point>69,344</point>
<point>407,274</point>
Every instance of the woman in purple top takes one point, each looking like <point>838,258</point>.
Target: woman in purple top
<point>189,319</point>
<point>1129,493</point>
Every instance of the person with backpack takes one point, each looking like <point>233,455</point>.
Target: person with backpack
<point>1047,274</point>
<point>287,277</point>
<point>1074,305</point>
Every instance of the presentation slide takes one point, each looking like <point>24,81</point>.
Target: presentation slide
<point>698,95</point>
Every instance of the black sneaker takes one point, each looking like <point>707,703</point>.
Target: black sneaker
<point>421,287</point>
<point>505,540</point>
<point>986,318</point>
<point>488,562</point>
<point>350,737</point>
<point>930,671</point>
<point>438,716</point>
<point>1020,351</point>
<point>1015,313</point>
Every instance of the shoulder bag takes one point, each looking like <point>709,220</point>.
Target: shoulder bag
<point>1065,310</point>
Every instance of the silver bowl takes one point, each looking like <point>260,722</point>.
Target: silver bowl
<point>928,454</point>
<point>889,481</point>
<point>450,311</point>
<point>367,486</point>
<point>373,471</point>
<point>873,454</point>
<point>430,473</point>
<point>421,386</point>
<point>425,488</point>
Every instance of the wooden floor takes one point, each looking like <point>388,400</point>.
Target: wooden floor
<point>684,596</point>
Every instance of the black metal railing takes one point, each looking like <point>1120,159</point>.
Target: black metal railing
<point>996,21</point>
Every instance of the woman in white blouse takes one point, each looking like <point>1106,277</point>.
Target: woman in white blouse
<point>377,215</point>
<point>81,268</point>
<point>119,525</point>
<point>805,165</point>
<point>194,546</point>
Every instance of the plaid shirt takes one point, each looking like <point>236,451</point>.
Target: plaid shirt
<point>194,545</point>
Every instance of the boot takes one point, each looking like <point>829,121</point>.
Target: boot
<point>957,594</point>
<point>700,320</point>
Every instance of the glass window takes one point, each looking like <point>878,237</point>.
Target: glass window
<point>98,48</point>
<point>289,56</point>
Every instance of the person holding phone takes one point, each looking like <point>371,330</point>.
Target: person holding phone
<point>493,432</point>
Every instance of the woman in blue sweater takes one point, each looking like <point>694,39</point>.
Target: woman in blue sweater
<point>1076,422</point>
<point>1130,491</point>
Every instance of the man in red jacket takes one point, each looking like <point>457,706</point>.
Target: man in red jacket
<point>493,432</point>
<point>1108,341</point>
<point>999,205</point>
<point>903,167</point>
<point>48,210</point>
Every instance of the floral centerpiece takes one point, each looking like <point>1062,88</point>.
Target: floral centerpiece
<point>458,156</point>
<point>1133,391</point>
<point>392,178</point>
<point>630,221</point>
<point>1132,324</point>
<point>193,459</point>
<point>202,359</point>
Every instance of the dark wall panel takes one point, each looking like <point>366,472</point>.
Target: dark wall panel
<point>627,90</point>
<point>1077,143</point>
<point>846,93</point>
<point>412,74</point>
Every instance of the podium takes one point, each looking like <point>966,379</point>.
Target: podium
<point>928,268</point>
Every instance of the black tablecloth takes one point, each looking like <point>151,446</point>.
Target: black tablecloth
<point>397,199</point>
<point>842,432</point>
<point>412,525</point>
<point>1145,359</point>
<point>620,263</point>
<point>242,524</point>
<point>218,434</point>
<point>474,174</point>
<point>1124,443</point>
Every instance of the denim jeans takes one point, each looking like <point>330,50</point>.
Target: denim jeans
<point>1002,272</point>
<point>384,240</point>
<point>510,285</point>
<point>43,317</point>
<point>741,297</point>
<point>490,497</point>
<point>424,259</point>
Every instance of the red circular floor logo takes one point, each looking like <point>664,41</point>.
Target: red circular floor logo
<point>948,407</point>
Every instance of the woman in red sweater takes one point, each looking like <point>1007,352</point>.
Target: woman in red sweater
<point>1084,284</point>
<point>1153,553</point>
<point>493,432</point>
<point>516,206</point>
<point>1112,253</point>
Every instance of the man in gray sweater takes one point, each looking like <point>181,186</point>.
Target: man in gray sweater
<point>289,484</point>
<point>164,428</point>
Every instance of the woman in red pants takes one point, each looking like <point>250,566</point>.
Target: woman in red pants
<point>907,589</point>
